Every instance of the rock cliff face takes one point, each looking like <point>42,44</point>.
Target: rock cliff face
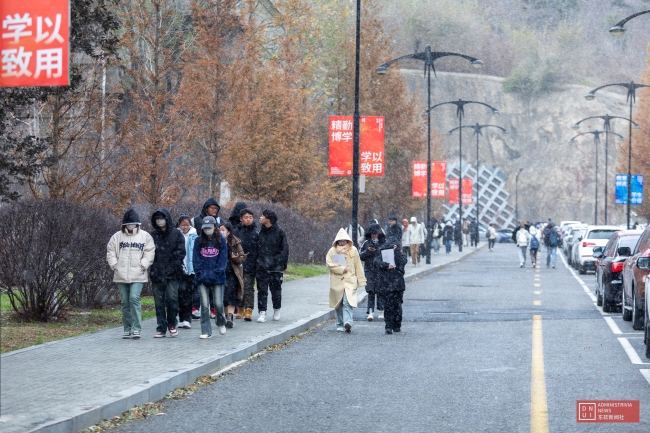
<point>558,180</point>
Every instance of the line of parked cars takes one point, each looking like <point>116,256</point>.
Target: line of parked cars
<point>621,262</point>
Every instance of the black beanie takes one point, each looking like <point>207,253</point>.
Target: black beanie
<point>131,217</point>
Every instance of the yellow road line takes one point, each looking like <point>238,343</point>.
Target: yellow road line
<point>537,285</point>
<point>538,402</point>
<point>538,292</point>
<point>537,302</point>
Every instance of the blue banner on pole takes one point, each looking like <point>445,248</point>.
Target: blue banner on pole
<point>620,191</point>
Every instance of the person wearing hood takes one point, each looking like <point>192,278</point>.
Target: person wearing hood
<point>406,242</point>
<point>416,237</point>
<point>369,250</point>
<point>534,245</point>
<point>272,259</point>
<point>166,271</point>
<point>210,258</point>
<point>448,236</point>
<point>187,291</point>
<point>392,285</point>
<point>129,253</point>
<point>210,208</point>
<point>247,233</point>
<point>344,279</point>
<point>436,234</point>
<point>458,234</point>
<point>235,214</point>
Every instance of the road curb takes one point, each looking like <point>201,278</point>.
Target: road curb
<point>157,388</point>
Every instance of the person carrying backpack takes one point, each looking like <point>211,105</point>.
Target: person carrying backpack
<point>534,245</point>
<point>551,241</point>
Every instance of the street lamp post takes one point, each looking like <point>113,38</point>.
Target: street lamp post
<point>355,139</point>
<point>596,135</point>
<point>618,29</point>
<point>631,97</point>
<point>477,131</point>
<point>428,57</point>
<point>607,127</point>
<point>460,112</point>
<point>517,195</point>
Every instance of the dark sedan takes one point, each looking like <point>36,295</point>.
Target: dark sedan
<point>610,261</point>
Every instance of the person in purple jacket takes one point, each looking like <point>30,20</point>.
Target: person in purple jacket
<point>210,257</point>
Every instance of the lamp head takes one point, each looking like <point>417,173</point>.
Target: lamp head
<point>477,64</point>
<point>575,127</point>
<point>617,31</point>
<point>496,112</point>
<point>590,96</point>
<point>449,133</point>
<point>382,70</point>
<point>505,131</point>
<point>425,113</point>
<point>637,127</point>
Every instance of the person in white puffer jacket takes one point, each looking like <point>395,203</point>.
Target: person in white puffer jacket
<point>129,254</point>
<point>523,239</point>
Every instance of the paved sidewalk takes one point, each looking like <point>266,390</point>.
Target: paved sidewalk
<point>71,384</point>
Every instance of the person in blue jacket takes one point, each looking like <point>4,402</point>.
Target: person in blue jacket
<point>210,257</point>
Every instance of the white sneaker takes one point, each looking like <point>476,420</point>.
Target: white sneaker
<point>381,314</point>
<point>276,314</point>
<point>339,329</point>
<point>370,317</point>
<point>222,330</point>
<point>205,336</point>
<point>185,325</point>
<point>262,317</point>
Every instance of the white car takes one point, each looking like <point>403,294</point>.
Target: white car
<point>583,250</point>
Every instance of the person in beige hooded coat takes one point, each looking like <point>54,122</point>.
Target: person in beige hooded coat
<point>344,280</point>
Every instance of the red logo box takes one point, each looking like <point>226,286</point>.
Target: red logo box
<point>607,411</point>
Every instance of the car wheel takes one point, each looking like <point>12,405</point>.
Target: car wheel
<point>581,269</point>
<point>599,299</point>
<point>627,314</point>
<point>637,317</point>
<point>607,305</point>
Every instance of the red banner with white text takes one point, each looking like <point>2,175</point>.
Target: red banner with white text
<point>371,145</point>
<point>419,179</point>
<point>453,190</point>
<point>35,43</point>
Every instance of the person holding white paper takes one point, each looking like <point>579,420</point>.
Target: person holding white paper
<point>392,284</point>
<point>344,279</point>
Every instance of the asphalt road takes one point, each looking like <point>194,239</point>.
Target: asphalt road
<point>470,358</point>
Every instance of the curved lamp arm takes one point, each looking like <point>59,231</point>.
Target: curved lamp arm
<point>477,129</point>
<point>605,118</point>
<point>631,90</point>
<point>595,133</point>
<point>618,29</point>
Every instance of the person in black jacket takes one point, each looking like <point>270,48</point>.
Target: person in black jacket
<point>394,230</point>
<point>272,259</point>
<point>166,271</point>
<point>210,208</point>
<point>369,251</point>
<point>247,234</point>
<point>448,236</point>
<point>473,233</point>
<point>235,214</point>
<point>392,285</point>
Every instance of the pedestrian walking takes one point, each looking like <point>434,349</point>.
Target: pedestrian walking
<point>392,285</point>
<point>448,236</point>
<point>187,291</point>
<point>393,229</point>
<point>473,233</point>
<point>406,242</point>
<point>272,259</point>
<point>210,208</point>
<point>465,231</point>
<point>234,286</point>
<point>523,239</point>
<point>551,241</point>
<point>129,253</point>
<point>458,234</point>
<point>492,237</point>
<point>210,258</point>
<point>247,233</point>
<point>436,235</point>
<point>344,279</point>
<point>416,237</point>
<point>166,271</point>
<point>534,245</point>
<point>375,237</point>
<point>360,233</point>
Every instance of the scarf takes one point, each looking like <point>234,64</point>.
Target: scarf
<point>343,249</point>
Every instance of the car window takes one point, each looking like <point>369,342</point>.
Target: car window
<point>611,246</point>
<point>642,241</point>
<point>600,234</point>
<point>628,241</point>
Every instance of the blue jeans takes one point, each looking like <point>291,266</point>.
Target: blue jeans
<point>448,246</point>
<point>550,255</point>
<point>165,296</point>
<point>343,312</point>
<point>217,295</point>
<point>131,309</point>
<point>435,242</point>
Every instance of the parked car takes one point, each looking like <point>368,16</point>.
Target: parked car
<point>643,263</point>
<point>571,238</point>
<point>504,236</point>
<point>610,260</point>
<point>634,279</point>
<point>582,251</point>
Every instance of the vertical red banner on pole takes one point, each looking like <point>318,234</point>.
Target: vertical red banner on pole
<point>453,190</point>
<point>438,176</point>
<point>419,179</point>
<point>35,43</point>
<point>371,145</point>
